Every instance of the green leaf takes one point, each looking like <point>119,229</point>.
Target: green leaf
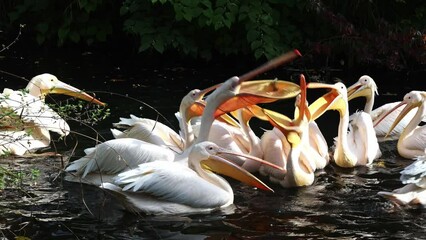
<point>258,53</point>
<point>145,43</point>
<point>158,44</point>
<point>256,44</point>
<point>252,35</point>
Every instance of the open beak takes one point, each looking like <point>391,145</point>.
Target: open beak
<point>329,101</point>
<point>223,166</point>
<point>259,91</point>
<point>358,90</point>
<point>63,88</point>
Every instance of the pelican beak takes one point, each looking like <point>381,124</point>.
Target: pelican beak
<point>303,108</point>
<point>358,90</point>
<point>197,108</point>
<point>329,101</point>
<point>223,166</point>
<point>63,88</point>
<point>401,115</point>
<point>259,91</point>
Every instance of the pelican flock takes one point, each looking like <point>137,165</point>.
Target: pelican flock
<point>153,169</point>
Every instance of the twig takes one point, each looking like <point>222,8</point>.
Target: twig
<point>14,41</point>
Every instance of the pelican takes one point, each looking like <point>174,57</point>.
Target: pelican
<point>316,143</point>
<point>356,142</point>
<point>225,98</point>
<point>283,145</point>
<point>366,87</point>
<point>171,188</point>
<point>25,118</point>
<point>412,141</point>
<point>414,192</point>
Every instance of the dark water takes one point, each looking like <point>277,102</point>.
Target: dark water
<point>341,204</point>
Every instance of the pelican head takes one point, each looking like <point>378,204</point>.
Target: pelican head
<point>412,100</point>
<point>335,99</point>
<point>46,83</point>
<point>364,87</point>
<point>210,157</point>
<point>192,105</point>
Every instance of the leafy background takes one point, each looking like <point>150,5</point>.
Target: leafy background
<point>385,33</point>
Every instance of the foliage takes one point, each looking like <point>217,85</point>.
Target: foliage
<point>389,33</point>
<point>201,28</point>
<point>64,20</point>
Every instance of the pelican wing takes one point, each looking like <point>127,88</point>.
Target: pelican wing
<point>118,155</point>
<point>35,110</point>
<point>416,140</point>
<point>172,182</point>
<point>19,142</point>
<point>317,140</point>
<point>362,139</point>
<point>149,130</point>
<point>415,172</point>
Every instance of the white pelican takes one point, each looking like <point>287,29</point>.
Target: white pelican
<point>171,188</point>
<point>282,146</point>
<point>414,192</point>
<point>317,142</point>
<point>356,143</point>
<point>366,87</point>
<point>412,141</point>
<point>25,115</point>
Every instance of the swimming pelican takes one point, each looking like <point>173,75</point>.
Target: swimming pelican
<point>414,192</point>
<point>171,188</point>
<point>316,143</point>
<point>25,118</point>
<point>366,87</point>
<point>356,142</point>
<point>412,141</point>
<point>112,151</point>
<point>283,145</point>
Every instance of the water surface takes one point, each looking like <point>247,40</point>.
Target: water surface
<point>341,204</point>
